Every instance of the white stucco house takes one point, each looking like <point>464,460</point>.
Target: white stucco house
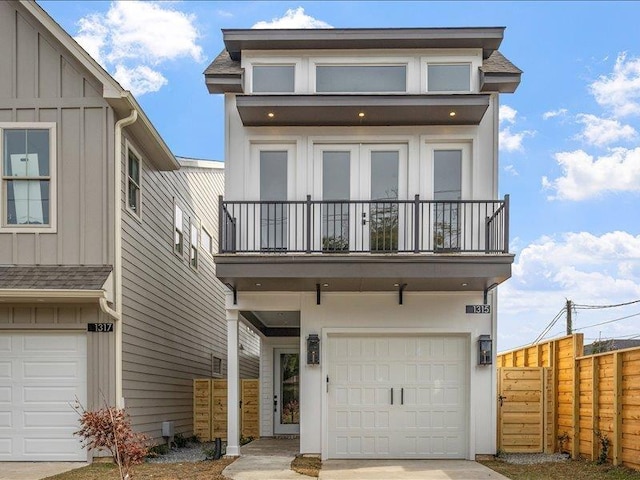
<point>362,234</point>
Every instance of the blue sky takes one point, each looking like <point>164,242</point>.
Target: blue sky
<point>570,135</point>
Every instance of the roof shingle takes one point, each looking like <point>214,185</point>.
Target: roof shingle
<point>498,63</point>
<point>224,65</point>
<point>54,277</point>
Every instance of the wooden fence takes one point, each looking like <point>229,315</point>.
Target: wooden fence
<point>589,398</point>
<point>210,408</point>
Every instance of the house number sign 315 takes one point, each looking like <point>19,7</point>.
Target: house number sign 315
<point>478,309</point>
<point>100,327</point>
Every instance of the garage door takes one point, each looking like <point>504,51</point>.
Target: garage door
<point>398,397</point>
<point>41,375</point>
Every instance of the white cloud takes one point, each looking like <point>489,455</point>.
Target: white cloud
<point>507,114</point>
<point>586,268</point>
<point>620,91</point>
<point>603,131</point>
<point>512,141</point>
<point>561,112</point>
<point>224,13</point>
<point>139,80</point>
<point>511,170</point>
<point>293,18</point>
<point>584,176</point>
<point>132,35</point>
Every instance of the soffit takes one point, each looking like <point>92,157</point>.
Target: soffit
<point>345,110</point>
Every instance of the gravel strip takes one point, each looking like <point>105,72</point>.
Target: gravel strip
<point>533,458</point>
<point>191,453</point>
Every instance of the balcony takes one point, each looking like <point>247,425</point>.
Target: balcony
<point>363,245</point>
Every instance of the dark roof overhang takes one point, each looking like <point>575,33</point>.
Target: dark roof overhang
<point>486,38</point>
<point>499,82</point>
<point>344,110</point>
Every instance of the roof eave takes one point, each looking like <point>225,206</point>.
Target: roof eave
<point>22,295</point>
<point>487,38</point>
<point>499,82</point>
<point>224,83</point>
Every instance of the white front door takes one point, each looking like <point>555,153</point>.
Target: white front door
<point>397,396</point>
<point>286,397</point>
<point>41,376</point>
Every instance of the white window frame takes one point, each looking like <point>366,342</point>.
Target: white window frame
<point>256,60</point>
<point>469,58</point>
<point>130,148</point>
<point>205,231</point>
<point>178,229</point>
<point>52,177</point>
<point>194,243</point>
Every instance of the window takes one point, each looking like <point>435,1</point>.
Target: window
<point>273,194</point>
<point>273,78</point>
<point>216,366</point>
<point>193,240</point>
<point>133,182</point>
<point>178,236</point>
<point>449,78</point>
<point>28,176</point>
<point>361,78</point>
<point>207,241</point>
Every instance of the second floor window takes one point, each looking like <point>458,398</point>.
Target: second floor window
<point>207,241</point>
<point>28,168</point>
<point>193,257</point>
<point>361,78</point>
<point>178,232</point>
<point>133,182</point>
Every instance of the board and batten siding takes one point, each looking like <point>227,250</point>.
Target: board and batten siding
<point>174,316</point>
<point>41,82</point>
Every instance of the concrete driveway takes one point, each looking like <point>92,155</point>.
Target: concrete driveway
<point>35,470</point>
<point>406,470</point>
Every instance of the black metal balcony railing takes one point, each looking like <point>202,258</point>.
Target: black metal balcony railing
<point>358,226</point>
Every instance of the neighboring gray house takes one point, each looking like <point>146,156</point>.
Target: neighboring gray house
<point>107,283</point>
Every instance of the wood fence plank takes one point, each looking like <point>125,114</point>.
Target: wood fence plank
<point>617,408</point>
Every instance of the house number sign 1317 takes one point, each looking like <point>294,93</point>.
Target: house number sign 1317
<point>100,327</point>
<point>478,309</point>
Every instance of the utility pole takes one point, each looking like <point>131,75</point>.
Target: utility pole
<point>569,319</point>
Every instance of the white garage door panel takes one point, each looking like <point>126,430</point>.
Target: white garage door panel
<point>41,376</point>
<point>428,417</point>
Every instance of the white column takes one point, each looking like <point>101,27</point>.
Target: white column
<point>233,384</point>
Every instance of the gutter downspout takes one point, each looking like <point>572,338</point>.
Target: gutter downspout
<point>117,251</point>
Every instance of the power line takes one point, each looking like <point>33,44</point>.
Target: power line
<point>550,325</point>
<point>607,322</point>
<point>594,307</point>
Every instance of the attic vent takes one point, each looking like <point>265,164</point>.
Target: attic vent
<point>216,366</point>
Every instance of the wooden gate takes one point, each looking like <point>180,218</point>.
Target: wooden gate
<point>521,409</point>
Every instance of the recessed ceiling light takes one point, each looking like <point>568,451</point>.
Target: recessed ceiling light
<point>271,114</point>
<point>361,114</point>
<point>452,114</point>
<point>325,284</point>
<point>464,284</point>
<point>396,284</point>
<point>258,284</point>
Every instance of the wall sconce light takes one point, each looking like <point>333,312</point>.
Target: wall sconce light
<point>485,347</point>
<point>313,349</point>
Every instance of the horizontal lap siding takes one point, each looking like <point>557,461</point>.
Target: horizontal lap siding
<point>41,82</point>
<point>174,316</point>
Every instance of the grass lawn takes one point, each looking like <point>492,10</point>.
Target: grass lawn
<point>569,470</point>
<point>209,470</point>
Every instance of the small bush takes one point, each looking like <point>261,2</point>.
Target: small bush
<point>158,450</point>
<point>605,443</point>
<point>180,441</point>
<point>110,428</point>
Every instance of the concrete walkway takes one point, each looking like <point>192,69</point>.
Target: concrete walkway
<point>266,459</point>
<point>35,470</point>
<point>406,470</point>
<point>270,459</point>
